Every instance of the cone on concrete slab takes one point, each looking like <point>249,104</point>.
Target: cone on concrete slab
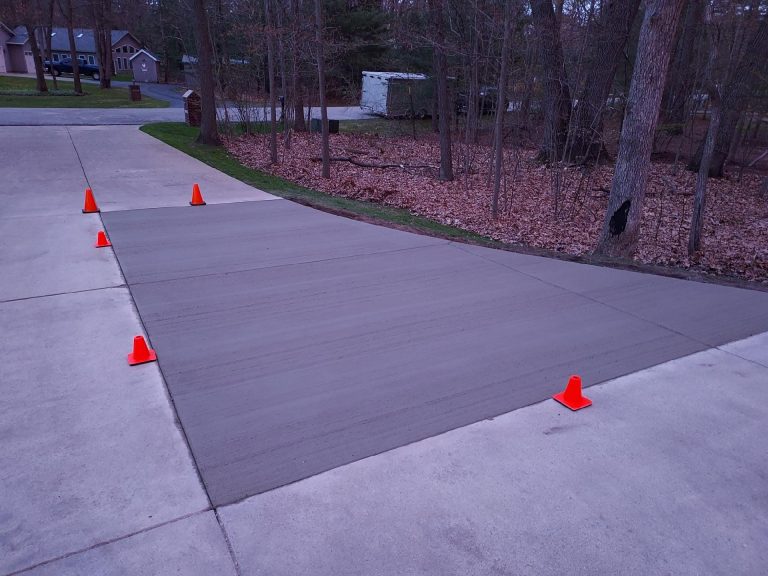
<point>197,197</point>
<point>90,202</point>
<point>141,352</point>
<point>102,241</point>
<point>572,397</point>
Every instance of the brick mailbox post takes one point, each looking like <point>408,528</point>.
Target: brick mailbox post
<point>192,107</point>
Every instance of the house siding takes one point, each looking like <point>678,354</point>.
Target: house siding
<point>16,60</point>
<point>5,65</point>
<point>122,51</point>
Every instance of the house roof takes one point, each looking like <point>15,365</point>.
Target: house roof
<point>6,28</point>
<point>144,51</point>
<point>84,39</point>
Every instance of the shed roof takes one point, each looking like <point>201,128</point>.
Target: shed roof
<point>144,51</point>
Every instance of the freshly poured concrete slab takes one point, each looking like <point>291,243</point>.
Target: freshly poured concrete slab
<point>150,174</point>
<point>710,313</point>
<point>192,546</point>
<point>53,255</point>
<point>168,243</point>
<point>295,341</point>
<point>664,474</point>
<point>90,448</point>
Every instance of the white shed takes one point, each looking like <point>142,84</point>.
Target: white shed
<point>395,93</point>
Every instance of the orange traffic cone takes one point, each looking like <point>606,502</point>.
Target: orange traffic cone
<point>572,396</point>
<point>90,202</point>
<point>141,352</point>
<point>197,198</point>
<point>102,241</point>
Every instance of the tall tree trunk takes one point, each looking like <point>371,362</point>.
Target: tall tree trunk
<point>498,127</point>
<point>713,91</point>
<point>299,122</point>
<point>621,226</point>
<point>101,14</point>
<point>48,51</point>
<point>272,90</point>
<point>474,82</point>
<point>682,77</point>
<point>68,9</point>
<point>35,48</point>
<point>557,96</point>
<point>321,86</point>
<point>440,63</point>
<point>208,130</point>
<point>700,195</point>
<point>608,37</point>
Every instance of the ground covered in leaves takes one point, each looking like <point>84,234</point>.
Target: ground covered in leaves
<point>553,208</point>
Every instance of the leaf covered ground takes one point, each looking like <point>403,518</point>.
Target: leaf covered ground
<point>553,208</point>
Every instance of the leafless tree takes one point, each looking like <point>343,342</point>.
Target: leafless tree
<point>208,130</point>
<point>319,37</point>
<point>621,226</point>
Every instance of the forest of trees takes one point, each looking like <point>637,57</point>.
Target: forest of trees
<point>588,82</point>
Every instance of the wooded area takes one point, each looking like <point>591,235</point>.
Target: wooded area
<point>588,85</point>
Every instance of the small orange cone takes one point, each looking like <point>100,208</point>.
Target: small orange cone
<point>572,397</point>
<point>102,241</point>
<point>90,202</point>
<point>197,198</point>
<point>141,352</point>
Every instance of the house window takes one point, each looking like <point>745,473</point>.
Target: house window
<point>119,65</point>
<point>125,63</point>
<point>131,49</point>
<point>91,60</point>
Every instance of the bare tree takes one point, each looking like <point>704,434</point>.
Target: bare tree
<point>557,96</point>
<point>715,99</point>
<point>735,94</point>
<point>67,8</point>
<point>440,65</point>
<point>621,226</point>
<point>35,49</point>
<point>101,17</point>
<point>270,29</point>
<point>608,35</point>
<point>501,108</point>
<point>326,155</point>
<point>208,130</point>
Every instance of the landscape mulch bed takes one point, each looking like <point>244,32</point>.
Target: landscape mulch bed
<point>552,208</point>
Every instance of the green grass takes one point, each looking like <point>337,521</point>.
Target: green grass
<point>18,92</point>
<point>182,137</point>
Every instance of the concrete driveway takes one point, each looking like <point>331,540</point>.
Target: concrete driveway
<point>291,342</point>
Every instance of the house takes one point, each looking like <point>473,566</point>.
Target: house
<point>17,54</point>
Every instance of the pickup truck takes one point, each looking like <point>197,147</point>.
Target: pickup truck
<point>65,66</point>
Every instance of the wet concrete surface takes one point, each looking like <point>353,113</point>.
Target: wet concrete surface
<point>295,341</point>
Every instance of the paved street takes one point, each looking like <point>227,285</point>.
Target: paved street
<point>332,397</point>
<point>136,116</point>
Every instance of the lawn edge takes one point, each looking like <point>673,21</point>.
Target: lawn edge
<point>383,215</point>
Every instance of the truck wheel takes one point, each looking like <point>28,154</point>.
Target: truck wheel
<point>56,72</point>
<point>95,76</point>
